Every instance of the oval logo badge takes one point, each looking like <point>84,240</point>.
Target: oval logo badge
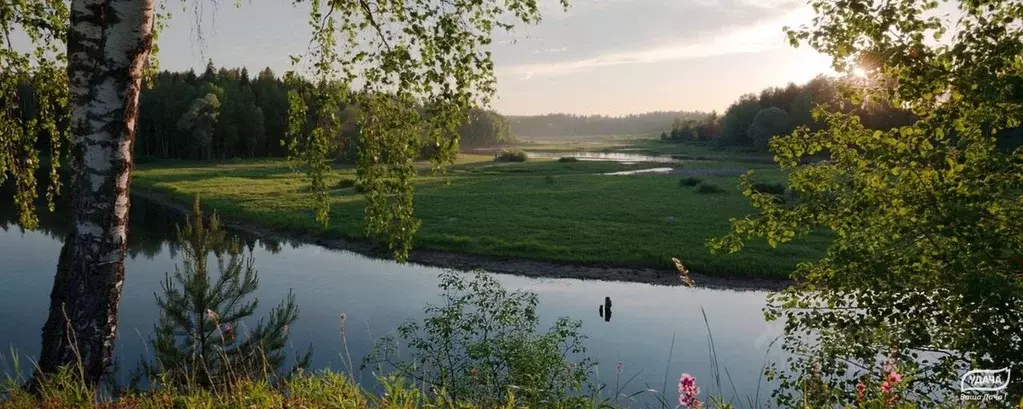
<point>985,380</point>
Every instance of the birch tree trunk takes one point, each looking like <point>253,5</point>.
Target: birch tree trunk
<point>108,46</point>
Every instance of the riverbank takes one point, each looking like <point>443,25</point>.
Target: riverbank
<point>468,262</point>
<point>540,218</point>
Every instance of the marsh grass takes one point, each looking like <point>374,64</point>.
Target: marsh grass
<point>510,210</point>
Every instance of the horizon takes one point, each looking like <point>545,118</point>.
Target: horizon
<point>660,56</point>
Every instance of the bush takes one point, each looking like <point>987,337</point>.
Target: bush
<point>568,159</point>
<point>689,181</point>
<point>345,183</point>
<point>548,179</point>
<point>709,188</point>
<point>511,155</point>
<point>482,341</point>
<point>769,188</point>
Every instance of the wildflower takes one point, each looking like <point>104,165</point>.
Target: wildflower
<point>212,315</point>
<point>861,389</point>
<point>618,369</point>
<point>688,392</point>
<point>683,272</point>
<point>474,371</point>
<point>894,376</point>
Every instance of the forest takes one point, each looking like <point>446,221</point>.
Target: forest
<point>560,125</point>
<point>228,113</point>
<point>754,118</point>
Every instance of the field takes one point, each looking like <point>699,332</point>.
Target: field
<point>540,209</point>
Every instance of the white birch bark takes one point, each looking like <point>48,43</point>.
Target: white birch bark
<point>108,47</point>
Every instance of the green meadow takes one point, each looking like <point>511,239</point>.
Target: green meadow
<point>566,212</point>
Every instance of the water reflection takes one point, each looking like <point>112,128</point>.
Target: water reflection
<point>605,309</point>
<point>378,295</point>
<point>150,224</point>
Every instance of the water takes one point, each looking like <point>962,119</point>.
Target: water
<point>638,171</point>
<point>608,156</point>
<point>378,295</point>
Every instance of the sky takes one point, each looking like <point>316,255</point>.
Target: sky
<point>610,57</point>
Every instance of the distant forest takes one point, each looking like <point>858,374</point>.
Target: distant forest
<point>227,113</point>
<point>557,125</point>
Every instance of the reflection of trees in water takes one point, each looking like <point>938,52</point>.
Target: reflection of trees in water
<point>152,226</point>
<point>199,339</point>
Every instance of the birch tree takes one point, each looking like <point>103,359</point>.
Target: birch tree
<point>413,66</point>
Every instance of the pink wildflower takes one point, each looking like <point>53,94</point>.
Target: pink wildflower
<point>618,370</point>
<point>894,376</point>
<point>474,371</point>
<point>286,328</point>
<point>688,392</point>
<point>886,387</point>
<point>861,389</point>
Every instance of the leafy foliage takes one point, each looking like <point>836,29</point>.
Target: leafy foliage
<point>200,339</point>
<point>420,66</point>
<point>768,123</point>
<point>482,345</point>
<point>34,96</point>
<point>201,121</point>
<point>768,188</point>
<point>925,264</point>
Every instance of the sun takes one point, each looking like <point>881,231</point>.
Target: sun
<point>859,72</point>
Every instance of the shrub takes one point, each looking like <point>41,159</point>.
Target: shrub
<point>568,159</point>
<point>482,341</point>
<point>345,183</point>
<point>548,179</point>
<point>769,188</point>
<point>511,155</point>
<point>709,188</point>
<point>768,123</point>
<point>689,181</point>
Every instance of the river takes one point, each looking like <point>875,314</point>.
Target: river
<point>377,295</point>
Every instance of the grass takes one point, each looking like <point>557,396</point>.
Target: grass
<point>544,209</point>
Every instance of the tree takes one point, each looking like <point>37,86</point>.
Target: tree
<point>199,340</point>
<point>200,121</point>
<point>431,54</point>
<point>483,128</point>
<point>768,123</point>
<point>924,269</point>
<point>737,119</point>
<point>107,48</point>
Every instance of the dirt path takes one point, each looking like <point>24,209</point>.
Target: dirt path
<point>459,261</point>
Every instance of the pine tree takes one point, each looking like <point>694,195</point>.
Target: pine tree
<point>199,340</point>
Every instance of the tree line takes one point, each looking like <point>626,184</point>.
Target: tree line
<point>753,119</point>
<point>560,125</point>
<point>226,113</point>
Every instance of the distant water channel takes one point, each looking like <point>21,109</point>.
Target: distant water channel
<point>377,295</point>
<point>608,156</point>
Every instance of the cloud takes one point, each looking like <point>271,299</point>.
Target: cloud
<point>550,50</point>
<point>763,36</point>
